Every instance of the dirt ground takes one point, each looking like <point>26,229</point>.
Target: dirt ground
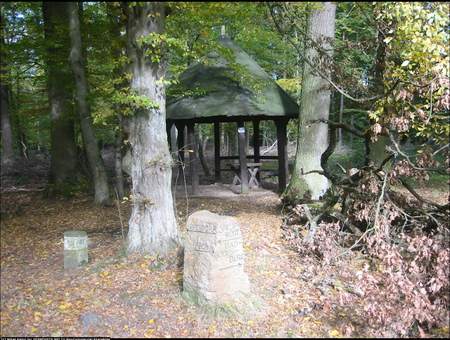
<point>137,296</point>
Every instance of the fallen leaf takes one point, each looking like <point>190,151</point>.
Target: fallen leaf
<point>334,332</point>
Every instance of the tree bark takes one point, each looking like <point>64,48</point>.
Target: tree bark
<point>64,162</point>
<point>315,104</point>
<point>8,154</point>
<point>96,164</point>
<point>152,227</point>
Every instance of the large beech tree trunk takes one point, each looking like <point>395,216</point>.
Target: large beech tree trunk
<point>8,154</point>
<point>96,164</point>
<point>152,227</point>
<point>64,162</point>
<point>315,104</point>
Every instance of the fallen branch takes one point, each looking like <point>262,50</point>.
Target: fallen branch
<point>14,189</point>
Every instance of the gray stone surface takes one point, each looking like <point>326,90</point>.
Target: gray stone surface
<point>213,259</point>
<point>90,319</point>
<point>75,249</point>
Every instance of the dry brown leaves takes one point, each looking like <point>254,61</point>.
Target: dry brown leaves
<point>293,296</point>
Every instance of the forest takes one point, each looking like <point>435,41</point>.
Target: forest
<point>355,245</point>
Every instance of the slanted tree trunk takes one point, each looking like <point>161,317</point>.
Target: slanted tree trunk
<point>315,104</point>
<point>64,162</point>
<point>95,160</point>
<point>152,227</point>
<point>8,154</point>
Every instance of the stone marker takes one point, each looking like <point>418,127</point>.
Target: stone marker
<point>213,259</point>
<point>90,319</point>
<point>75,249</point>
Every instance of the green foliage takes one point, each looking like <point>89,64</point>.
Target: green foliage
<point>418,46</point>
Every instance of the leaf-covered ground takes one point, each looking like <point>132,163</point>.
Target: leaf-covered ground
<point>133,297</point>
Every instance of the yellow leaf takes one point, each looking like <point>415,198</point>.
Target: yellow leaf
<point>212,329</point>
<point>334,332</point>
<point>126,326</point>
<point>250,322</point>
<point>34,330</point>
<point>151,321</point>
<point>318,322</point>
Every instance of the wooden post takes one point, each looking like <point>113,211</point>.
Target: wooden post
<point>181,180</point>
<point>192,147</point>
<point>242,158</point>
<point>217,152</point>
<point>256,151</point>
<point>283,166</point>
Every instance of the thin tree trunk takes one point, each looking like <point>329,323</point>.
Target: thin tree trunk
<point>119,152</point>
<point>96,164</point>
<point>201,149</point>
<point>341,118</point>
<point>119,146</point>
<point>315,104</point>
<point>152,227</point>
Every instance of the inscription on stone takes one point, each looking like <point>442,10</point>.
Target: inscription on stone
<point>214,258</point>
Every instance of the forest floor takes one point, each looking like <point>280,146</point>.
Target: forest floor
<point>133,298</point>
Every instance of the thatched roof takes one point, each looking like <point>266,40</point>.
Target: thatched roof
<point>226,97</point>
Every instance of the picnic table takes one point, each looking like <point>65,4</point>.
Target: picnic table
<point>253,169</point>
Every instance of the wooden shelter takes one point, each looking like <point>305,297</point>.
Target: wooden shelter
<point>226,99</point>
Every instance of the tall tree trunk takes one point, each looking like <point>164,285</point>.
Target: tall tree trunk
<point>377,149</point>
<point>152,227</point>
<point>315,104</point>
<point>96,164</point>
<point>8,154</point>
<point>64,162</point>
<point>119,147</point>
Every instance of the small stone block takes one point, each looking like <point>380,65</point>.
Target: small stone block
<point>75,249</point>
